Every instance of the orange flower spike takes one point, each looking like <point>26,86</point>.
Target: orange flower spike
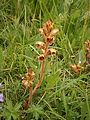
<point>47,27</point>
<point>28,79</point>
<point>48,32</point>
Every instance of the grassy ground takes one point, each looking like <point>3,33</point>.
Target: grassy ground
<point>63,95</point>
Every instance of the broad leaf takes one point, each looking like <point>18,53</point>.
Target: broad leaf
<point>52,80</point>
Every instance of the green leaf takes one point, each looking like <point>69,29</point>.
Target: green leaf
<point>12,111</point>
<point>52,80</point>
<point>17,106</point>
<point>64,101</point>
<point>1,58</point>
<point>75,14</point>
<point>8,105</point>
<point>83,110</point>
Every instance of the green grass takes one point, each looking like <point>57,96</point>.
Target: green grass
<point>63,94</point>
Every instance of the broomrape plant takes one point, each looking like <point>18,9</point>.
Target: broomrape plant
<point>78,68</point>
<point>48,33</point>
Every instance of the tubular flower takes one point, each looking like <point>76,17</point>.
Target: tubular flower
<point>54,32</point>
<point>39,45</point>
<point>76,68</point>
<point>41,58</point>
<point>28,79</point>
<point>50,40</point>
<point>51,51</point>
<point>25,83</point>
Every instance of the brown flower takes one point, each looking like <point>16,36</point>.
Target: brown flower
<point>76,68</point>
<point>50,40</point>
<point>87,45</point>
<point>51,51</point>
<point>54,32</point>
<point>28,78</point>
<point>25,83</point>
<point>41,58</point>
<point>40,45</point>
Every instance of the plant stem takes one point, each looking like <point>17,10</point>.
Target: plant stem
<point>41,78</point>
<point>30,95</point>
<point>42,71</point>
<point>29,100</point>
<point>32,92</point>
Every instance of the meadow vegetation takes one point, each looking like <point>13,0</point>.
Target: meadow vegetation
<point>65,92</point>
